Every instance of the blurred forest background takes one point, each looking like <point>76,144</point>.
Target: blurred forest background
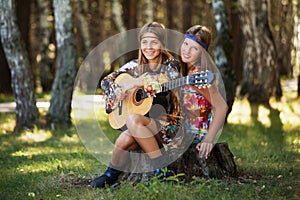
<point>43,42</point>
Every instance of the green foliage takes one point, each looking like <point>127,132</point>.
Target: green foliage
<point>6,98</point>
<point>54,164</point>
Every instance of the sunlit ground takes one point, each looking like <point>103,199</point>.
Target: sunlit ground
<point>265,143</point>
<point>289,108</point>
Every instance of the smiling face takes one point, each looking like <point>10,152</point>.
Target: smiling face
<point>190,51</point>
<point>151,47</point>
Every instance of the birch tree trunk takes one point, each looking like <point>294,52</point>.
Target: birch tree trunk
<point>222,51</point>
<point>117,13</point>
<point>46,77</point>
<point>260,72</point>
<point>62,90</point>
<point>17,58</point>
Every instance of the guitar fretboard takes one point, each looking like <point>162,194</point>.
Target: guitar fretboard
<point>174,84</point>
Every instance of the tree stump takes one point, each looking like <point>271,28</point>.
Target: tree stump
<point>219,165</point>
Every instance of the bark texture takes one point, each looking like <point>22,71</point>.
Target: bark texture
<point>260,74</point>
<point>17,58</point>
<point>222,51</point>
<point>220,165</point>
<point>60,104</point>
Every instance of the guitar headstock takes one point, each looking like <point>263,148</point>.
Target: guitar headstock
<point>201,79</point>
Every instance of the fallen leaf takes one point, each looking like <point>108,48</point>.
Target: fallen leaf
<point>31,194</point>
<point>280,176</point>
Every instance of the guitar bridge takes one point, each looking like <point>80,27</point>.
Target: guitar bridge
<point>120,107</point>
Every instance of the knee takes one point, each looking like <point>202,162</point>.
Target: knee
<point>133,121</point>
<point>124,141</point>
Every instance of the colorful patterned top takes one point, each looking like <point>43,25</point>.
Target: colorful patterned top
<point>169,69</point>
<point>196,111</point>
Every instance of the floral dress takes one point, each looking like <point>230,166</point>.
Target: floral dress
<point>196,112</point>
<point>169,69</point>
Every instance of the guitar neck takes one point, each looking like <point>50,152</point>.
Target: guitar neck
<point>174,83</point>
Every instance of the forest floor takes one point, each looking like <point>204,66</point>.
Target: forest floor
<point>51,164</point>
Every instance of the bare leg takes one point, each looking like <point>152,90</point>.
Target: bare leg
<point>123,145</point>
<point>144,129</point>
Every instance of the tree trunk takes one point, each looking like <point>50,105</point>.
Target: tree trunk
<point>23,21</point>
<point>17,58</point>
<point>62,90</point>
<point>237,40</point>
<point>160,11</point>
<point>45,74</point>
<point>84,40</point>
<point>223,50</point>
<point>117,17</point>
<point>84,35</point>
<point>220,165</point>
<point>149,15</point>
<point>174,19</point>
<point>260,63</point>
<point>130,16</point>
<point>298,90</point>
<point>187,18</point>
<point>5,81</point>
<point>282,24</point>
<point>297,43</point>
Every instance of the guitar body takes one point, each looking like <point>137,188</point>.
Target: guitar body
<point>132,104</point>
<point>136,102</point>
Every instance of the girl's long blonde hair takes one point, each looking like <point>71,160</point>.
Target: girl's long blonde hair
<point>159,30</point>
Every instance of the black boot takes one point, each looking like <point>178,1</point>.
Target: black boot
<point>160,167</point>
<point>164,172</point>
<point>109,177</point>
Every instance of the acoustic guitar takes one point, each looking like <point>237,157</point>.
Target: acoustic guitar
<point>138,101</point>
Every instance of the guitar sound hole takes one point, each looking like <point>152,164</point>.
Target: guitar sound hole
<point>139,95</point>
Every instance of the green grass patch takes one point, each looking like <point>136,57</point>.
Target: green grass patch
<point>55,164</point>
<point>10,97</point>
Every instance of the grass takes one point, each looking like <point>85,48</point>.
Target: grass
<point>9,98</point>
<point>55,164</point>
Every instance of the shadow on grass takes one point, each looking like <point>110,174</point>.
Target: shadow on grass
<point>61,164</point>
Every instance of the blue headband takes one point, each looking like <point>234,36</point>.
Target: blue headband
<point>196,40</point>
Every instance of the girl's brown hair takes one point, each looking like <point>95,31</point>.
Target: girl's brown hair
<point>159,30</point>
<point>203,34</point>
